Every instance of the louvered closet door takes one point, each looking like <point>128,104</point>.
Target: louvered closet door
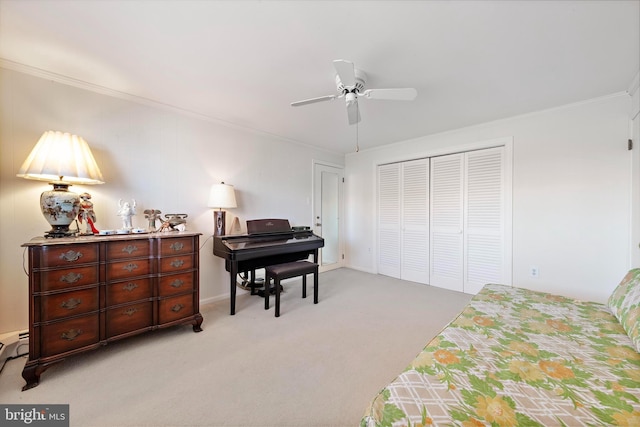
<point>415,221</point>
<point>389,224</point>
<point>446,247</point>
<point>484,222</point>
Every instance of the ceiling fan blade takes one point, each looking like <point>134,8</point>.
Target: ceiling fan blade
<point>345,71</point>
<point>404,94</point>
<point>313,100</point>
<point>353,113</point>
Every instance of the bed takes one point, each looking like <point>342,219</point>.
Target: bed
<point>516,357</point>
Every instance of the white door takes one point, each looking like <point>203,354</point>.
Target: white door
<point>403,220</point>
<point>446,222</point>
<point>327,206</point>
<point>468,228</point>
<point>389,220</point>
<point>484,219</point>
<point>415,221</point>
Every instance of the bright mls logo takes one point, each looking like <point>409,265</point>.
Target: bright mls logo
<point>34,415</point>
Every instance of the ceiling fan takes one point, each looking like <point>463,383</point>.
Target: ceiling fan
<point>350,83</point>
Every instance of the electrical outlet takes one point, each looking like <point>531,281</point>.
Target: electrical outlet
<point>534,272</point>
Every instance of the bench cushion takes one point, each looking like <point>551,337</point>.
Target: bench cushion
<point>290,269</point>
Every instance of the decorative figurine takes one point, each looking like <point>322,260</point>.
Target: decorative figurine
<point>177,221</point>
<point>87,214</point>
<point>165,226</point>
<point>126,211</point>
<point>152,215</point>
<point>174,222</point>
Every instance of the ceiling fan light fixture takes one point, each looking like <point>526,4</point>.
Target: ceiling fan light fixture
<point>350,97</point>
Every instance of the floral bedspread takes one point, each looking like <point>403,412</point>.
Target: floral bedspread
<point>515,357</point>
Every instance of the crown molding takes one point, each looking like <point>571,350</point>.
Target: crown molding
<point>81,84</point>
<point>497,122</point>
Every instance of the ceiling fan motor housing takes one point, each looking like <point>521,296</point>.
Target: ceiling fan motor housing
<point>360,81</point>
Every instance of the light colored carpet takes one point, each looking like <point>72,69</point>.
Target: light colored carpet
<point>315,365</point>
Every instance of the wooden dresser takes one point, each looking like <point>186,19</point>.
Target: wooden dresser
<point>87,291</point>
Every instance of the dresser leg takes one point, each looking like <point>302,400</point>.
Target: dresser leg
<point>32,371</point>
<point>197,321</point>
<point>31,375</point>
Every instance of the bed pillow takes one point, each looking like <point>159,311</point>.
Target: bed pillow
<point>624,303</point>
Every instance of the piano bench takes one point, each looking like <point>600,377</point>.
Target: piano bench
<point>288,270</point>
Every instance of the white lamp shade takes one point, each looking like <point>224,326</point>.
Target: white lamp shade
<point>222,196</point>
<point>61,156</point>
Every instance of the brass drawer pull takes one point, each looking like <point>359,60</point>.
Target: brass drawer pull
<point>130,311</point>
<point>129,287</point>
<point>71,256</point>
<point>71,303</point>
<point>177,246</point>
<point>71,277</point>
<point>71,334</point>
<point>130,267</point>
<point>130,249</point>
<point>177,263</point>
<point>176,308</point>
<point>177,283</point>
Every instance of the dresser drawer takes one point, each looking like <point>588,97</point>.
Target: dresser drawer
<point>128,249</point>
<point>69,304</point>
<point>128,291</point>
<point>176,246</point>
<point>67,335</point>
<point>68,255</point>
<point>52,280</point>
<point>129,318</point>
<point>176,263</point>
<point>175,284</point>
<point>175,308</point>
<point>127,269</point>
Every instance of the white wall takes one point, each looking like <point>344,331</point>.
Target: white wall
<point>571,194</point>
<point>634,135</point>
<point>163,159</point>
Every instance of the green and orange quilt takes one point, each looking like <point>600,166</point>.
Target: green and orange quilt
<point>516,357</point>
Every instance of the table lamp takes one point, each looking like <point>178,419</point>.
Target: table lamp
<point>62,159</point>
<point>221,196</point>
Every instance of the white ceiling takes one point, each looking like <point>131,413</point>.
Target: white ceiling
<point>244,62</point>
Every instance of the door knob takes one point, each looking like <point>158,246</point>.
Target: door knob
<point>318,224</point>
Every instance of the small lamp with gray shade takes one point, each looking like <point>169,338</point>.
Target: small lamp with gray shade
<point>221,196</point>
<point>62,159</point>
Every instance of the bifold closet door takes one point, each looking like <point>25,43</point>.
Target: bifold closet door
<point>484,219</point>
<point>389,220</point>
<point>447,180</point>
<point>403,220</point>
<point>467,220</point>
<point>414,241</point>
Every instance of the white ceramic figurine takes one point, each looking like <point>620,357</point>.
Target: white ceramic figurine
<point>126,211</point>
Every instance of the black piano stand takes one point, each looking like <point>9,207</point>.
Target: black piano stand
<point>249,282</point>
